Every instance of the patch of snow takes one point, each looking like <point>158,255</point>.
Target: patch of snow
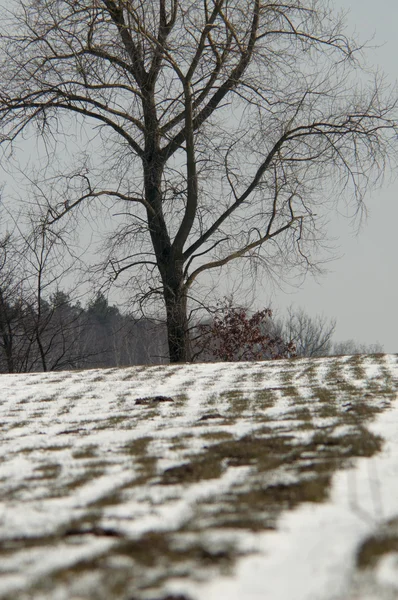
<point>49,420</point>
<point>311,555</point>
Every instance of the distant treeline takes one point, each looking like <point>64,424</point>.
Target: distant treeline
<point>60,334</point>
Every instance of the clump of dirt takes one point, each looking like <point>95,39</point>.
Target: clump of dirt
<point>151,400</point>
<point>168,597</point>
<point>95,530</point>
<point>209,416</point>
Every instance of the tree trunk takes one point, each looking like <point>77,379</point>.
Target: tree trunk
<point>177,324</point>
<point>6,333</point>
<point>169,261</point>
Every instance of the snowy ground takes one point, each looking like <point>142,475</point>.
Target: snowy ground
<point>244,481</point>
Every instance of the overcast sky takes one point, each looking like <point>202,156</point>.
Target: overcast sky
<point>361,288</point>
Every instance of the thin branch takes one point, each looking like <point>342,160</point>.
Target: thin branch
<point>239,253</point>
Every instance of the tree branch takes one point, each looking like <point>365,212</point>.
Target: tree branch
<point>239,253</point>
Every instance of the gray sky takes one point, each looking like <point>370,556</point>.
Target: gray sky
<point>361,288</point>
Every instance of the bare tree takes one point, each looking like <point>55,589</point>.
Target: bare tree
<point>209,131</point>
<point>38,324</point>
<point>312,335</point>
<point>42,254</point>
<point>352,347</point>
<point>17,350</point>
<point>9,308</point>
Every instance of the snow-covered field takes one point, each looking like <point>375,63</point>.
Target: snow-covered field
<point>275,480</point>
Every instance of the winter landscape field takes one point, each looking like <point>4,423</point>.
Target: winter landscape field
<point>243,481</point>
